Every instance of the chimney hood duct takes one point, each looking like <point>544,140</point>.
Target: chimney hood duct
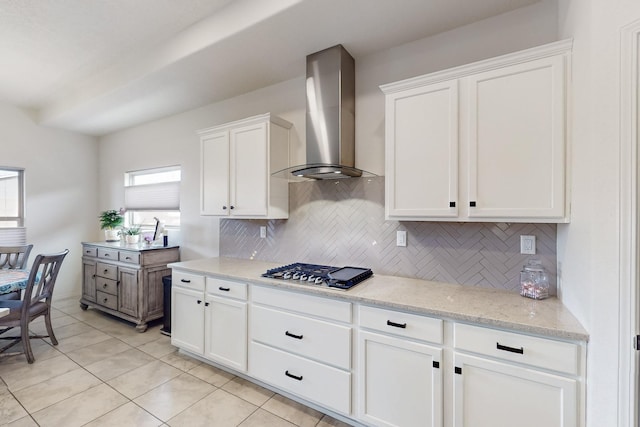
<point>330,118</point>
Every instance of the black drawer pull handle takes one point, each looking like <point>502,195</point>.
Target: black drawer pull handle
<point>105,300</point>
<point>511,349</point>
<point>206,304</point>
<point>106,255</point>
<point>224,289</point>
<point>128,257</point>
<point>199,301</point>
<point>396,325</point>
<point>106,271</point>
<point>104,285</point>
<point>289,334</point>
<point>295,377</point>
<point>185,281</point>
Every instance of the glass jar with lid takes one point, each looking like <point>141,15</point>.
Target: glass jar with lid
<point>534,280</point>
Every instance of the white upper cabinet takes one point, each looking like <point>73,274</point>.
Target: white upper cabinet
<point>424,155</point>
<point>237,160</point>
<point>481,142</point>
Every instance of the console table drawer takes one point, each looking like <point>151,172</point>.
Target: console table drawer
<point>108,286</point>
<point>107,271</point>
<point>129,257</point>
<point>107,300</point>
<point>110,254</point>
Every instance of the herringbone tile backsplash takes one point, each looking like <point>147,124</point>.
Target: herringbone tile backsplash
<point>341,222</point>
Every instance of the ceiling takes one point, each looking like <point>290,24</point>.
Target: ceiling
<point>96,66</point>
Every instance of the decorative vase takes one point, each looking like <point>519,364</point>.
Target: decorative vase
<point>131,238</point>
<point>111,235</point>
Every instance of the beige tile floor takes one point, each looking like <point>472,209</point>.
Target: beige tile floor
<point>104,373</point>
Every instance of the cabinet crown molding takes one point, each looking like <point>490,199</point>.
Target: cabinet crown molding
<point>551,49</point>
<point>261,118</point>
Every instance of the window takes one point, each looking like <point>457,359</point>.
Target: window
<point>11,197</point>
<point>151,194</point>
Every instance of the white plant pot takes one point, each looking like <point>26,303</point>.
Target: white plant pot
<point>131,238</point>
<point>111,235</point>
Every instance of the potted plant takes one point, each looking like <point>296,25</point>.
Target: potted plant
<point>109,221</point>
<point>131,234</point>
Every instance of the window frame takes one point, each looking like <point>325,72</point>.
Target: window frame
<point>21,198</point>
<point>129,179</point>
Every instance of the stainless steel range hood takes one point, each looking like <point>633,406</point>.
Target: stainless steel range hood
<point>330,117</point>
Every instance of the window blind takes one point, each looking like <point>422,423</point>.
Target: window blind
<point>164,196</point>
<point>13,236</point>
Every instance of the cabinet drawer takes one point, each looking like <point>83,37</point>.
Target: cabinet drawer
<point>187,280</point>
<point>541,352</point>
<point>327,386</point>
<point>402,324</point>
<point>89,251</point>
<point>111,254</point>
<point>129,257</point>
<point>107,271</point>
<point>307,304</point>
<point>323,341</point>
<point>108,286</point>
<point>226,288</point>
<point>107,300</point>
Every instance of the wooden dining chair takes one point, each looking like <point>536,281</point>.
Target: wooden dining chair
<point>36,303</point>
<point>14,257</point>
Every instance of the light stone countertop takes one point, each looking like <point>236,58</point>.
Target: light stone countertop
<point>490,307</point>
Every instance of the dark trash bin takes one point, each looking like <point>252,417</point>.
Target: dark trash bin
<point>166,287</point>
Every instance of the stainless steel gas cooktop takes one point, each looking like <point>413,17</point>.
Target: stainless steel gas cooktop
<point>320,275</point>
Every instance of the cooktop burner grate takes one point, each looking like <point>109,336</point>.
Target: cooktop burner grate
<point>335,277</point>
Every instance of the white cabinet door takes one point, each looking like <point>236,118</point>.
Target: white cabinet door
<point>400,382</point>
<point>226,332</point>
<point>249,171</point>
<point>495,394</point>
<point>480,142</point>
<point>214,170</point>
<point>187,319</point>
<point>422,152</point>
<point>516,140</point>
<point>237,162</point>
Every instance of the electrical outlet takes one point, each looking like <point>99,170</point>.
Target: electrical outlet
<point>401,238</point>
<point>528,245</point>
<point>263,232</point>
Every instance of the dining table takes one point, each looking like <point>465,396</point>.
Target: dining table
<point>12,280</point>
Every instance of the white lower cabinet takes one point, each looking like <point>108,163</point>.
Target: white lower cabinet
<point>503,384</point>
<point>187,312</point>
<point>302,345</point>
<point>399,380</point>
<point>317,382</point>
<point>226,332</point>
<point>395,369</point>
<point>207,322</point>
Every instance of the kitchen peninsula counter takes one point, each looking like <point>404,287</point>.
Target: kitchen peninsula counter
<point>483,306</point>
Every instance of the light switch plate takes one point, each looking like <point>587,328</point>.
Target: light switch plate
<point>263,232</point>
<point>401,238</point>
<point>528,245</point>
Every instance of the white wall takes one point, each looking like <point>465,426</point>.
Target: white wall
<point>173,140</point>
<point>61,181</point>
<point>588,248</point>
